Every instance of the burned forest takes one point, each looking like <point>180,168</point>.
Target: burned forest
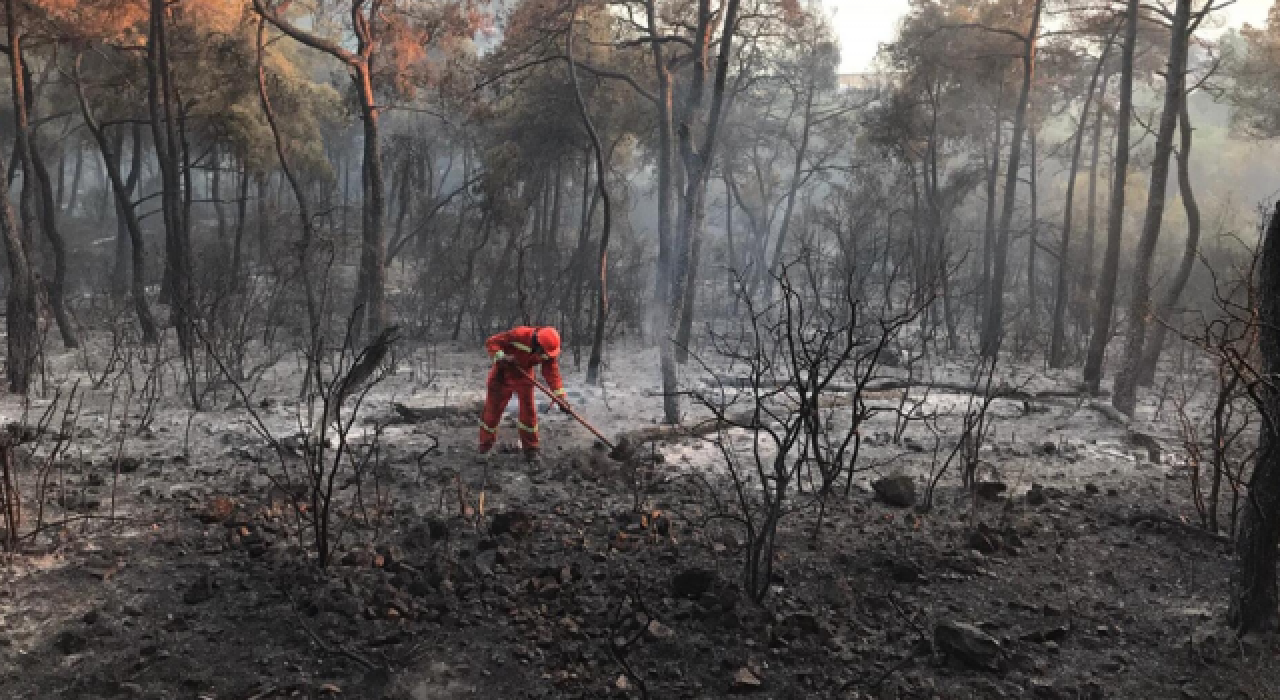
<point>433,349</point>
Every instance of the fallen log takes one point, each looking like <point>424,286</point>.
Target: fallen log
<point>889,385</point>
<point>409,414</point>
<point>1176,523</point>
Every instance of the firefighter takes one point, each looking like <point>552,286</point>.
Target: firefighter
<point>521,348</point>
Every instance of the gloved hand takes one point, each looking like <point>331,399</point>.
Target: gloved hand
<point>503,359</point>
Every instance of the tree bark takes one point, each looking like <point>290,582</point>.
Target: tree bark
<point>215,187</point>
<point>989,226</point>
<point>1106,288</point>
<point>1253,585</point>
<point>37,185</point>
<point>242,216</point>
<point>20,304</point>
<point>1062,291</point>
<point>371,283</point>
<point>698,156</point>
<point>304,208</point>
<point>1165,311</point>
<point>73,197</point>
<point>797,172</point>
<point>993,320</point>
<point>1125,395</point>
<point>122,190</point>
<point>168,156</point>
<point>602,190</point>
<point>666,192</point>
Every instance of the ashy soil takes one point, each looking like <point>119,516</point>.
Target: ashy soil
<point>169,563</point>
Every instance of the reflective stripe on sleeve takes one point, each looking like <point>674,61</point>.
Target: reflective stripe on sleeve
<point>521,347</point>
<point>559,392</point>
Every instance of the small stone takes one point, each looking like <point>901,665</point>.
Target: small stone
<point>907,572</point>
<point>1037,496</point>
<point>201,590</point>
<point>1091,489</point>
<point>70,642</point>
<point>516,523</point>
<point>656,631</point>
<point>989,490</point>
<point>692,583</point>
<point>968,644</point>
<point>745,681</point>
<point>358,558</point>
<point>986,540</point>
<point>898,491</point>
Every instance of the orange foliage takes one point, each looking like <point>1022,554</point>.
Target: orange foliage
<point>94,19</point>
<point>216,16</point>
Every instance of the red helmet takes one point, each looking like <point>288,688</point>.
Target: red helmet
<point>549,340</point>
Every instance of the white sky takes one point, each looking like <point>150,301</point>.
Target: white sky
<point>864,24</point>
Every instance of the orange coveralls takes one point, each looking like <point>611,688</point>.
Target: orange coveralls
<point>516,344</point>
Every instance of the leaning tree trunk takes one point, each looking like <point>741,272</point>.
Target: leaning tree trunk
<point>602,173</point>
<point>1151,354</point>
<point>993,318</point>
<point>242,217</point>
<point>1253,586</point>
<point>1088,276</point>
<point>20,305</point>
<point>122,190</point>
<point>37,185</point>
<point>1061,294</point>
<point>372,284</point>
<point>1125,396</point>
<point>73,195</point>
<point>169,157</point>
<point>1106,292</point>
<point>666,191</point>
<point>304,210</point>
<point>989,226</point>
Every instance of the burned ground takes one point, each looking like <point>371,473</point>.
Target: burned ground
<point>583,578</point>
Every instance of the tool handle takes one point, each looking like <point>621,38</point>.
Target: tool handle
<point>562,404</point>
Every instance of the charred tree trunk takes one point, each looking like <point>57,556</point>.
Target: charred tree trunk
<point>1084,299</point>
<point>124,206</point>
<point>304,209</point>
<point>37,185</point>
<point>602,191</point>
<point>1125,396</point>
<point>1106,288</point>
<point>168,147</point>
<point>371,301</point>
<point>73,197</point>
<point>666,191</point>
<point>242,216</point>
<point>993,319</point>
<point>20,304</point>
<point>1253,586</point>
<point>1062,291</point>
<point>989,226</point>
<point>263,185</point>
<point>698,153</point>
<point>215,187</point>
<point>1151,354</point>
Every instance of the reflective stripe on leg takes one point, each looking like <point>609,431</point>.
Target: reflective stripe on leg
<point>526,428</point>
<point>484,427</point>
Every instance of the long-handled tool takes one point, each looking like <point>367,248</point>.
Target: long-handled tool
<point>620,451</point>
